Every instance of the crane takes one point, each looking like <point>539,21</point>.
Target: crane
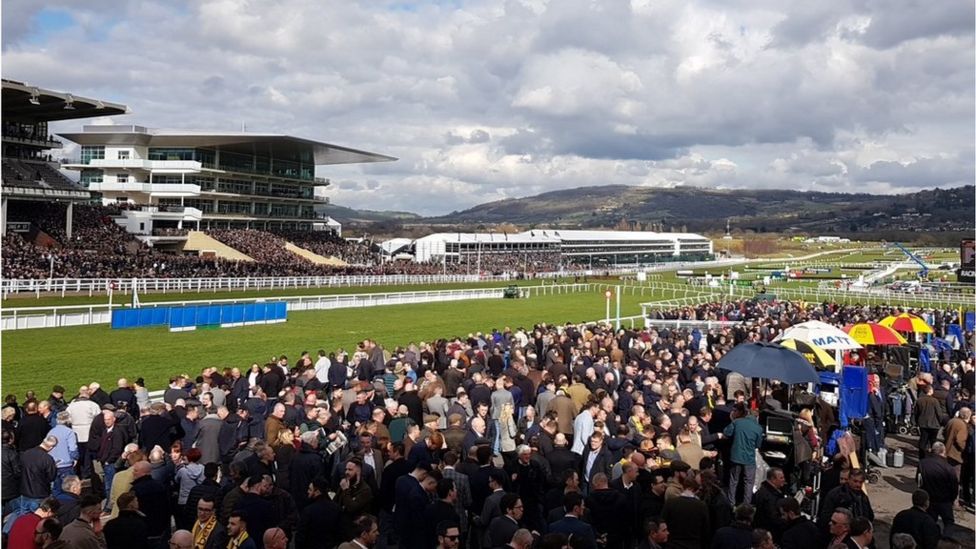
<point>923,272</point>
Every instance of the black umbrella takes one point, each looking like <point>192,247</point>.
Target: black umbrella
<point>769,361</point>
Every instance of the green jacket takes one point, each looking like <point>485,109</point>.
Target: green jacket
<point>746,435</point>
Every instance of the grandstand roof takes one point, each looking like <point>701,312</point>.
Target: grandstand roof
<point>573,234</point>
<point>261,144</point>
<point>25,103</point>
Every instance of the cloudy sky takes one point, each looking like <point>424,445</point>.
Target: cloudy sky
<point>482,100</point>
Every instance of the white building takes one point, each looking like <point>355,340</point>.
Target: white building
<point>455,247</point>
<point>184,179</point>
<point>596,248</point>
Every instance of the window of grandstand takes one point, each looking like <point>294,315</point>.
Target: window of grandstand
<point>92,152</point>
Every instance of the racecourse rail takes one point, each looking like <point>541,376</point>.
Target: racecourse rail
<point>23,318</point>
<point>99,286</point>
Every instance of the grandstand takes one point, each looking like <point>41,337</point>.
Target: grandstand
<point>169,181</point>
<point>29,172</point>
<point>559,248</point>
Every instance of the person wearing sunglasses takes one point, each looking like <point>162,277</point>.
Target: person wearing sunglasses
<point>448,534</point>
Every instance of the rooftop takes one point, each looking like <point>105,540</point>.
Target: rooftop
<point>23,102</point>
<point>256,143</point>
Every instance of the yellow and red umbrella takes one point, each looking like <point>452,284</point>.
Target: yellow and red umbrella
<point>814,355</point>
<point>869,333</point>
<point>906,322</point>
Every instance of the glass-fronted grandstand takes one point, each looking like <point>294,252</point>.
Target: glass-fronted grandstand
<point>168,179</point>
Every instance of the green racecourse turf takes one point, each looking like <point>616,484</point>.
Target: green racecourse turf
<point>37,359</point>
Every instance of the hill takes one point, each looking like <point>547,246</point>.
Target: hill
<point>346,215</point>
<point>706,210</point>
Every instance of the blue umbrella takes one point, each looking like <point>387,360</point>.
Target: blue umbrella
<point>769,361</point>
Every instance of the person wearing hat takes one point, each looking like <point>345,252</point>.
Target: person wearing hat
<point>56,400</point>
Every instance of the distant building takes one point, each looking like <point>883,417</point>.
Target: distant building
<point>579,247</point>
<point>827,240</point>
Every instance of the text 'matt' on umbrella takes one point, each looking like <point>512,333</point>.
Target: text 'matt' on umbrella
<point>823,335</point>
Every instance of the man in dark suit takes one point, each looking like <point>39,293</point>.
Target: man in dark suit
<point>124,396</point>
<point>319,526</point>
<point>153,502</point>
<point>596,459</point>
<point>492,507</point>
<point>799,532</point>
<point>940,481</point>
<point>305,465</point>
<point>610,512</point>
<point>687,518</point>
<point>441,510</point>
<point>502,528</point>
<point>572,523</point>
<point>561,458</point>
<point>916,522</point>
<point>409,504</point>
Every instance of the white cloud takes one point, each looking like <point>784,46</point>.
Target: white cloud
<point>484,99</point>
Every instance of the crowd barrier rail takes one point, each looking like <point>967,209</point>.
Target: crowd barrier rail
<point>23,318</point>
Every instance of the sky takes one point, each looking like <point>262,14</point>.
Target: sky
<point>486,100</point>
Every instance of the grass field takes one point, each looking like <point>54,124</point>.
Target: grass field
<point>36,359</point>
<point>55,300</point>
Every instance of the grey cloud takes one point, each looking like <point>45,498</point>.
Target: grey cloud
<point>559,94</point>
<point>923,172</point>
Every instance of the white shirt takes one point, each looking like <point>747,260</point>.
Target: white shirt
<point>82,412</point>
<point>322,366</point>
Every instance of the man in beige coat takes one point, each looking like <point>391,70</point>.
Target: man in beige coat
<point>956,434</point>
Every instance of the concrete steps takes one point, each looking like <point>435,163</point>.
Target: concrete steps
<point>314,257</point>
<point>197,241</point>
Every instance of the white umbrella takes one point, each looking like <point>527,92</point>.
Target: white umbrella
<point>822,335</point>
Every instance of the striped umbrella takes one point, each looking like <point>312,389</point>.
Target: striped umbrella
<point>869,333</point>
<point>814,355</point>
<point>906,322</point>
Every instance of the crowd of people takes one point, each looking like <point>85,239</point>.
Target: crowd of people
<point>100,248</point>
<point>555,436</point>
<point>529,262</point>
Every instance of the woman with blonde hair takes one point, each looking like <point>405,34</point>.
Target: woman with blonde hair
<point>508,432</point>
<point>284,450</point>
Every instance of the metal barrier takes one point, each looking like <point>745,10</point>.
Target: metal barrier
<point>82,315</point>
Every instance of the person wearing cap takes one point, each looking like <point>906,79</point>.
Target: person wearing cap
<point>86,530</point>
<point>65,453</point>
<point>56,400</point>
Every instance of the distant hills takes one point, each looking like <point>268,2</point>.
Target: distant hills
<point>940,215</point>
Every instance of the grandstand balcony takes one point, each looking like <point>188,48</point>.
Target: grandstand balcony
<point>40,142</point>
<point>162,190</point>
<point>154,166</point>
